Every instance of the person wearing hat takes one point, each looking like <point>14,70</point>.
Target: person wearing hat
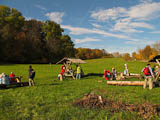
<point>148,73</point>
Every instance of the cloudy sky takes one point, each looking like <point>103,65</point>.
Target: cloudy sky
<point>115,25</point>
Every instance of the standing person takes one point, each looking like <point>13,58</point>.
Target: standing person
<point>154,70</point>
<point>78,75</point>
<point>63,70</point>
<point>148,76</point>
<point>126,69</point>
<point>31,76</point>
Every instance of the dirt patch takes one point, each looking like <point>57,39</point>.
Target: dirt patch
<point>146,110</point>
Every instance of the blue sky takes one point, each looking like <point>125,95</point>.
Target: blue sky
<point>115,25</point>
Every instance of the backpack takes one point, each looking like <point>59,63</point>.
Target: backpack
<point>33,74</point>
<point>146,71</point>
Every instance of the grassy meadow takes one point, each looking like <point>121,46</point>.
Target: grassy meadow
<point>51,99</point>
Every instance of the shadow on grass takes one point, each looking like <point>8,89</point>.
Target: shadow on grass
<point>56,83</point>
<point>11,87</point>
<point>1,64</point>
<point>14,85</point>
<point>50,84</point>
<point>94,74</point>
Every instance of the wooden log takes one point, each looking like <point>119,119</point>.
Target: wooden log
<point>139,83</point>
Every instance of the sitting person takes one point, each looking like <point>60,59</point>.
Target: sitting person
<point>12,77</point>
<point>18,79</point>
<point>113,73</point>
<point>60,77</point>
<point>107,74</point>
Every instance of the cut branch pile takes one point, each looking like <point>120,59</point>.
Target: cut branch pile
<point>145,110</point>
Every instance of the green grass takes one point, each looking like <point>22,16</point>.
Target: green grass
<point>51,99</point>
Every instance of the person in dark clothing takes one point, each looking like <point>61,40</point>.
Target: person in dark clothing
<point>31,76</point>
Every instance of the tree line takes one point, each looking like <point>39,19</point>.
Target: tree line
<point>147,53</point>
<point>31,41</point>
<point>87,53</point>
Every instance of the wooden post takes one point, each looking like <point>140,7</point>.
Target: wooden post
<point>157,60</point>
<point>67,67</point>
<point>157,77</point>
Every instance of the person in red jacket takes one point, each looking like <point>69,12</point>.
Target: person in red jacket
<point>62,69</point>
<point>12,77</point>
<point>107,74</point>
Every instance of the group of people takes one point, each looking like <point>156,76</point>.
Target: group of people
<point>13,79</point>
<point>78,70</point>
<point>113,74</point>
<point>150,75</point>
<point>110,75</point>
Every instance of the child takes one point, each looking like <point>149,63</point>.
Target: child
<point>114,73</point>
<point>78,75</point>
<point>107,74</point>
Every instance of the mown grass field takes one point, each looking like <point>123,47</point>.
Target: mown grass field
<point>51,99</point>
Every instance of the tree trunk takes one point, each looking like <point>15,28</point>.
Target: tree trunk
<point>125,83</point>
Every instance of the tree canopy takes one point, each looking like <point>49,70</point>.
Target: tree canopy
<point>31,41</point>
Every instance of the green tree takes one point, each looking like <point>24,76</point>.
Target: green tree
<point>126,57</point>
<point>11,22</point>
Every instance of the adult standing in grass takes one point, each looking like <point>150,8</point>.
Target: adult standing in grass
<point>31,76</point>
<point>126,69</point>
<point>148,76</point>
<point>78,75</point>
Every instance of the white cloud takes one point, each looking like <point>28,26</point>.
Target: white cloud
<point>41,7</point>
<point>129,19</point>
<point>141,25</point>
<point>141,42</point>
<point>145,11</point>
<point>146,1</point>
<point>103,15</point>
<point>125,26</point>
<point>55,16</point>
<point>155,32</point>
<point>77,30</point>
<point>80,31</point>
<point>86,40</point>
<point>96,25</point>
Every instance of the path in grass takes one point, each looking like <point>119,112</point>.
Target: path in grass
<point>51,99</point>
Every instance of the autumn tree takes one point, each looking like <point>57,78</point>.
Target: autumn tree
<point>147,51</point>
<point>156,46</point>
<point>31,41</point>
<point>134,55</point>
<point>126,56</point>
